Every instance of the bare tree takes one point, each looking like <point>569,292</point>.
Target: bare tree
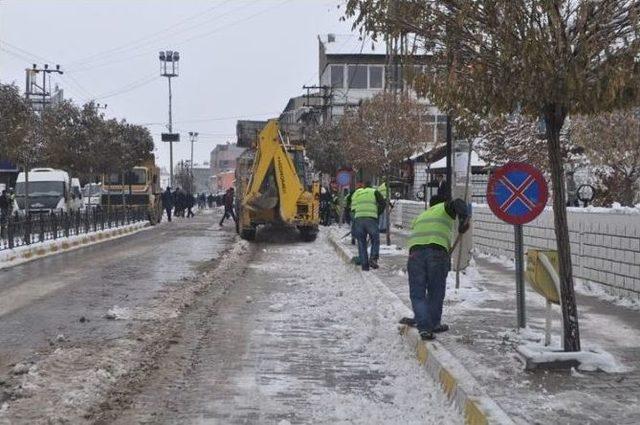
<point>546,58</point>
<point>384,131</point>
<point>325,147</point>
<point>612,143</point>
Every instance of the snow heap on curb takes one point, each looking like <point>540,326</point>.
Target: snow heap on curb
<point>590,360</point>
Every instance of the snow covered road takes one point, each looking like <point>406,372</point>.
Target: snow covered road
<point>70,322</point>
<point>297,339</point>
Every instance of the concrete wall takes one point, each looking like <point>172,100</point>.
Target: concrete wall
<point>605,243</point>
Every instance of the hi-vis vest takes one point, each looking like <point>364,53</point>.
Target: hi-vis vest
<point>363,202</point>
<point>434,226</point>
<point>383,190</point>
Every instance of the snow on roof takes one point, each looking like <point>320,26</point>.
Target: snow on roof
<point>475,162</point>
<point>351,44</point>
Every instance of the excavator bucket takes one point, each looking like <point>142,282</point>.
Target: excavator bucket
<point>264,201</point>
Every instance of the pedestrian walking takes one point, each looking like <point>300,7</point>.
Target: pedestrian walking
<point>4,211</point>
<point>429,262</point>
<point>325,206</point>
<point>189,203</point>
<point>210,200</point>
<point>228,201</point>
<point>167,202</point>
<point>367,204</point>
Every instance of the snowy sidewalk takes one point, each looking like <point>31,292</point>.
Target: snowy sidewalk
<point>484,338</point>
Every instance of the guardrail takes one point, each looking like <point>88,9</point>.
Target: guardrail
<point>19,230</point>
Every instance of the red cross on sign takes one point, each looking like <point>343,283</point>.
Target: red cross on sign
<point>517,193</point>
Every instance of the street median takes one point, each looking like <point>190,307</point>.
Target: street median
<point>25,253</point>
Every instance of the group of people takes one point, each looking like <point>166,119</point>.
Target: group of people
<point>429,247</point>
<point>178,202</point>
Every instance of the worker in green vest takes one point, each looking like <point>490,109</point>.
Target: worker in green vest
<point>429,262</point>
<point>366,205</point>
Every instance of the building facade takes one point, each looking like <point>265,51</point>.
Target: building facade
<point>223,158</point>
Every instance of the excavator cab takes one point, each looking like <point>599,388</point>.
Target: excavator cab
<point>276,191</point>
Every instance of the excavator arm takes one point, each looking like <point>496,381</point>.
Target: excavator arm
<point>274,180</point>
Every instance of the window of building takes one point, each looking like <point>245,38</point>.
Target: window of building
<point>375,77</point>
<point>337,76</point>
<point>357,76</point>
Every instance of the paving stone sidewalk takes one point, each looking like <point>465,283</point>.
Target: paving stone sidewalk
<point>484,338</point>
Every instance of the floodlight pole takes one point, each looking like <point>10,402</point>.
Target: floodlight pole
<point>169,68</point>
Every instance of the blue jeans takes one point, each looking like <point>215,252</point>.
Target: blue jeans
<point>428,268</point>
<point>364,227</point>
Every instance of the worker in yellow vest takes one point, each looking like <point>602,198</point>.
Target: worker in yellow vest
<point>429,262</point>
<point>366,205</point>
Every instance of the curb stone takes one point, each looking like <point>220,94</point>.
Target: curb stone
<point>456,382</point>
<point>53,247</point>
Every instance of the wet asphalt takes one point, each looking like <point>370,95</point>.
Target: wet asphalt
<point>70,294</point>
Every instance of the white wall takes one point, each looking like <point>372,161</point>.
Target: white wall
<point>605,243</point>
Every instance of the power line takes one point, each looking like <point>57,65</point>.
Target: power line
<point>179,43</point>
<point>129,87</point>
<point>146,39</point>
<point>218,118</point>
<point>146,47</point>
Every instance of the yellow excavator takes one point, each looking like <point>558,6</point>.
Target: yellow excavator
<point>272,187</point>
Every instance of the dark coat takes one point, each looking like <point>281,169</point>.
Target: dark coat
<point>167,199</point>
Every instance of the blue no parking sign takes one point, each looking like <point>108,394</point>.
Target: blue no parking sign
<point>517,193</point>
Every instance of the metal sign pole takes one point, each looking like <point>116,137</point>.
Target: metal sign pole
<point>519,257</point>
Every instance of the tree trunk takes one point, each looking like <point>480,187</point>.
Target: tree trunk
<point>554,119</point>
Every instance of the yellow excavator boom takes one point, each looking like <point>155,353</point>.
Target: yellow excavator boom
<point>271,152</point>
<point>275,192</point>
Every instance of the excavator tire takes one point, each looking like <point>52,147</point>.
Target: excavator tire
<point>248,234</point>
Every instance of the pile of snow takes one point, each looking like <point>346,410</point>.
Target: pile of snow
<point>590,360</point>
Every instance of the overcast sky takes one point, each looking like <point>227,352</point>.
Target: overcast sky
<point>238,58</point>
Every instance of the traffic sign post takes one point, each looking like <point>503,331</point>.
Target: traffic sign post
<point>517,193</point>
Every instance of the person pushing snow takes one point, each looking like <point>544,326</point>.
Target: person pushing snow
<point>429,262</point>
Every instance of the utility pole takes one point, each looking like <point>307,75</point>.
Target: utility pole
<point>169,68</point>
<point>41,90</point>
<point>193,137</point>
<point>29,92</point>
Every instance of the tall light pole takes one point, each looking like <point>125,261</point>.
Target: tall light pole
<point>169,68</point>
<point>193,137</point>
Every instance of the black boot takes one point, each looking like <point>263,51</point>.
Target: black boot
<point>427,336</point>
<point>408,321</point>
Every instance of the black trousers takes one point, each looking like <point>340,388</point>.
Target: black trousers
<point>168,210</point>
<point>228,212</point>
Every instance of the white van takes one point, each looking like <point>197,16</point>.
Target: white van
<point>49,190</point>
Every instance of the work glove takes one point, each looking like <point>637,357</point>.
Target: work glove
<point>464,225</point>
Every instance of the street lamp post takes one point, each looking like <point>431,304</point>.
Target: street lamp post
<point>193,137</point>
<point>169,68</point>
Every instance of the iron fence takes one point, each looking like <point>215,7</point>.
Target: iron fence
<point>18,230</point>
